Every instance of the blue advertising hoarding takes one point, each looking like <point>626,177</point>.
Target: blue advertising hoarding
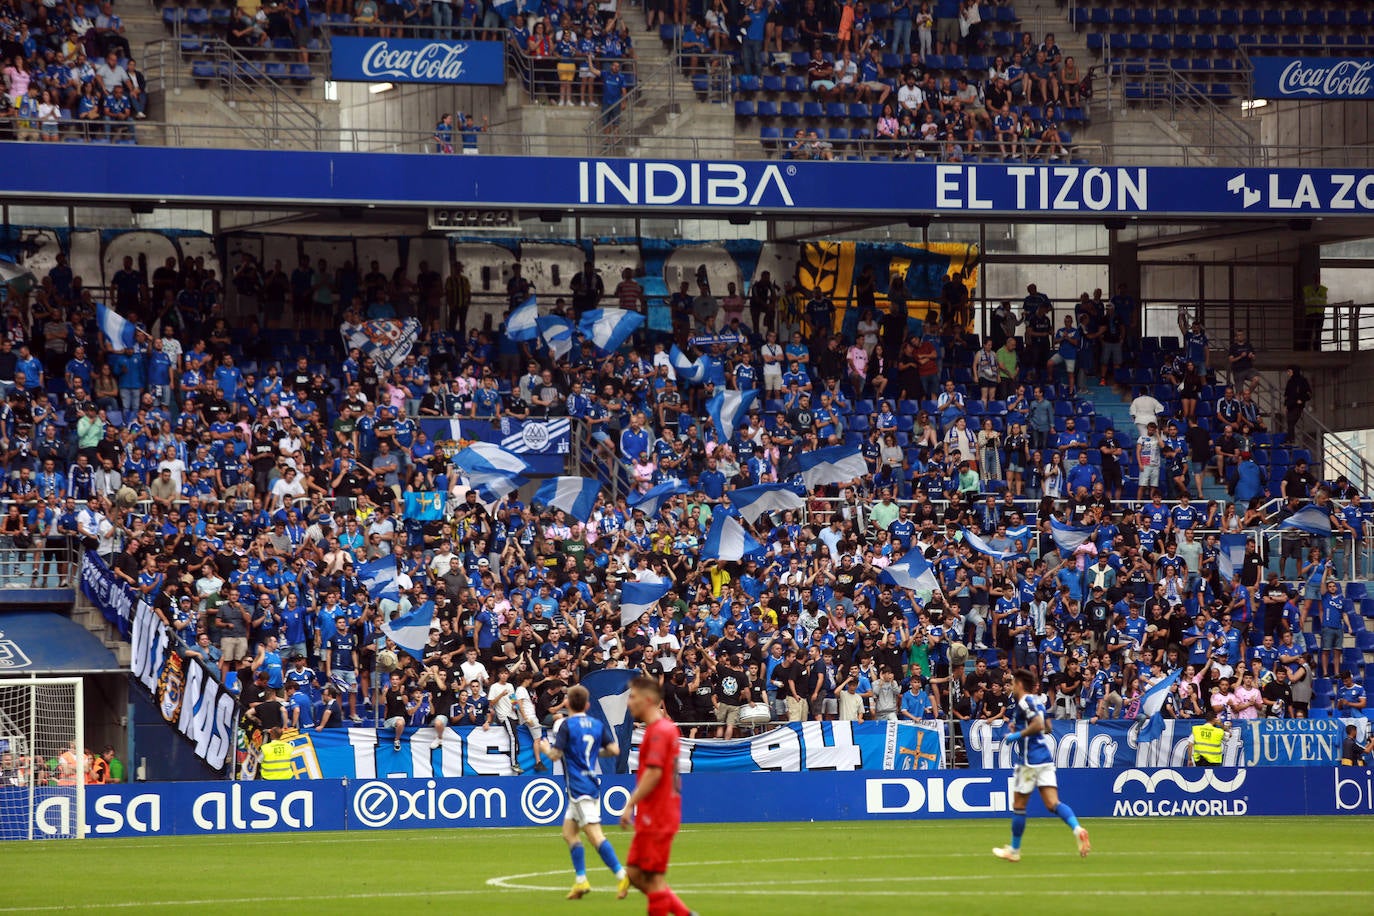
<point>181,809</point>
<point>1113,744</point>
<point>417,60</point>
<point>358,753</point>
<point>130,173</point>
<point>1350,78</point>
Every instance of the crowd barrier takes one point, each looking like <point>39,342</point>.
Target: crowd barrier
<point>182,809</point>
<point>1113,743</point>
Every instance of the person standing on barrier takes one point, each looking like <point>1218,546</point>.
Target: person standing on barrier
<point>501,709</point>
<point>1204,746</point>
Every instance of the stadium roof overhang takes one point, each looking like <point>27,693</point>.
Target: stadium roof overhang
<point>364,186</point>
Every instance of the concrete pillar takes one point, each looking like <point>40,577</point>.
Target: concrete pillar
<point>1306,269</point>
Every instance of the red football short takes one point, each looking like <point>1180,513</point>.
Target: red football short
<point>649,850</point>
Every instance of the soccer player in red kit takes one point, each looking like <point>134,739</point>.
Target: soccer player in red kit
<point>656,805</point>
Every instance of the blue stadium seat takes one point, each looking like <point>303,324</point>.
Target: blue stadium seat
<point>838,134</point>
<point>796,85</point>
<point>813,110</point>
<point>744,109</point>
<point>790,109</point>
<point>749,83</point>
<point>773,84</point>
<point>767,109</point>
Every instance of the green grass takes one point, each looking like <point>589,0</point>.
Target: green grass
<point>1251,865</point>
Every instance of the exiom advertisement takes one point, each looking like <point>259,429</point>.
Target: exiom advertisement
<point>180,809</point>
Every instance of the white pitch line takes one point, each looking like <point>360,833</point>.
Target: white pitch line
<point>514,882</point>
<point>211,901</point>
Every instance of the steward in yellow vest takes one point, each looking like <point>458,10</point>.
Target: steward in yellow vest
<point>1207,741</point>
<point>276,758</point>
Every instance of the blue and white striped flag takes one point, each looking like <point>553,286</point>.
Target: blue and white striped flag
<point>693,373</point>
<point>1068,538</point>
<point>1312,518</point>
<point>912,571</point>
<point>1231,556</point>
<point>485,457</point>
<point>983,547</point>
<point>574,495</point>
<point>728,409</point>
<point>379,577</point>
<point>607,329</point>
<point>835,464</point>
<point>1151,716</point>
<point>727,540</point>
<point>118,330</point>
<point>1022,533</point>
<point>493,486</point>
<point>556,333</point>
<point>523,321</point>
<point>751,502</point>
<point>638,597</point>
<point>411,632</point>
<point>653,499</point>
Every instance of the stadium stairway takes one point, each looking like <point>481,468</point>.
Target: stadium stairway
<point>1109,402</point>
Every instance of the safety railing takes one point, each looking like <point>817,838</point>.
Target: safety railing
<point>38,562</point>
<point>254,80</point>
<point>1270,325</point>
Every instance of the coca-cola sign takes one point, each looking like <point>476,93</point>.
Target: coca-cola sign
<point>400,60</point>
<point>1314,78</point>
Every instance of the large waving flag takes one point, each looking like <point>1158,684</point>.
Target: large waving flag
<point>1152,708</point>
<point>523,321</point>
<point>1231,556</point>
<point>607,329</point>
<point>693,373</point>
<point>379,577</point>
<point>727,539</point>
<point>609,691</point>
<point>411,632</point>
<point>387,340</point>
<point>912,571</point>
<point>1312,518</point>
<point>769,497</point>
<point>424,507</point>
<point>651,500</point>
<point>484,457</point>
<point>556,333</point>
<point>835,464</point>
<point>983,547</point>
<point>491,470</point>
<point>118,330</point>
<point>1069,538</point>
<point>727,411</point>
<point>574,495</point>
<point>1022,533</point>
<point>638,597</point>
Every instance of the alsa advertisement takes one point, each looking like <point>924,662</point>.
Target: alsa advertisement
<point>531,801</point>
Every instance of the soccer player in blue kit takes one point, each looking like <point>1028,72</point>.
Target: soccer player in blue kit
<point>580,741</point>
<point>1034,767</point>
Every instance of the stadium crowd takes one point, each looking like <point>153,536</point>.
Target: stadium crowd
<point>240,477</point>
<point>67,67</point>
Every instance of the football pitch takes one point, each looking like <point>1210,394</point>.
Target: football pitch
<point>1263,865</point>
